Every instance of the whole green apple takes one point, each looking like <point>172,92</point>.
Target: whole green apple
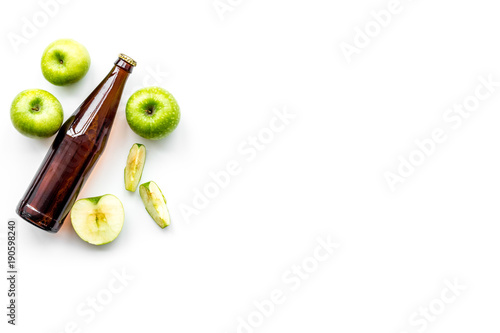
<point>152,113</point>
<point>36,113</point>
<point>65,61</point>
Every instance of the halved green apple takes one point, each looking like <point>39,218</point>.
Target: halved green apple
<point>135,164</point>
<point>98,220</point>
<point>155,203</point>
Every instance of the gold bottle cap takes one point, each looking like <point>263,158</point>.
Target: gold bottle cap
<point>127,59</point>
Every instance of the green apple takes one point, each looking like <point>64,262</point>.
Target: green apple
<point>36,113</point>
<point>152,113</point>
<point>135,164</point>
<point>98,220</point>
<point>65,61</point>
<point>155,203</point>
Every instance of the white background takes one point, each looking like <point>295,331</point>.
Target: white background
<point>323,176</point>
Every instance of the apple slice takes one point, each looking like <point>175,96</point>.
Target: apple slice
<point>155,203</point>
<point>98,220</point>
<point>135,164</point>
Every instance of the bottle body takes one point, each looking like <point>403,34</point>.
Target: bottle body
<point>73,154</point>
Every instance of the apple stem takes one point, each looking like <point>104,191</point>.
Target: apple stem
<point>35,108</point>
<point>61,62</point>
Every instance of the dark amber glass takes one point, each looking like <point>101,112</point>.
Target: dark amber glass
<point>74,152</point>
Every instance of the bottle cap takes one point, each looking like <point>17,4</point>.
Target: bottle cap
<point>127,59</point>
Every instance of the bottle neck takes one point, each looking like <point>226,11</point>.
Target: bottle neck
<point>100,107</point>
<point>120,63</point>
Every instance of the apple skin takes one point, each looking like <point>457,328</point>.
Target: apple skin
<point>65,61</point>
<point>36,113</point>
<point>152,113</point>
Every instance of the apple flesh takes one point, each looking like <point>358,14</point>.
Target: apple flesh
<point>64,62</point>
<point>155,203</point>
<point>152,113</point>
<point>135,165</point>
<point>36,113</point>
<point>98,220</point>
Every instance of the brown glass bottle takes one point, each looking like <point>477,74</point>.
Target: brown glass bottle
<point>74,152</point>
